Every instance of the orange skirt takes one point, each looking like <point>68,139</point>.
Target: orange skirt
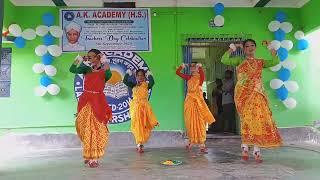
<point>257,125</point>
<point>92,133</point>
<point>196,115</point>
<point>143,120</point>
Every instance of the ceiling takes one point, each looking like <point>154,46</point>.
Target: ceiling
<point>165,3</point>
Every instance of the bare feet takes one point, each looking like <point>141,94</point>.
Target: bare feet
<point>140,149</point>
<point>93,164</point>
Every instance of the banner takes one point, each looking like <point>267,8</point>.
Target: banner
<point>117,93</point>
<point>106,29</point>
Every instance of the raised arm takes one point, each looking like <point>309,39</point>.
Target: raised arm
<point>107,72</point>
<point>274,60</point>
<point>74,68</point>
<point>127,82</point>
<point>183,76</point>
<point>151,81</point>
<point>231,61</point>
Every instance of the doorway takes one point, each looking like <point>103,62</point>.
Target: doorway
<point>208,52</point>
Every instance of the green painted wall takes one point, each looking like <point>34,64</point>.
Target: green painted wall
<point>310,25</point>
<point>310,19</point>
<point>255,21</point>
<point>23,109</point>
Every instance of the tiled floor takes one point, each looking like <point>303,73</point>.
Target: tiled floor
<point>222,162</point>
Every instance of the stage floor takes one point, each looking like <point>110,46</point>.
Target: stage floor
<point>222,162</point>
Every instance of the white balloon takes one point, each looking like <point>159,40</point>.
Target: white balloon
<point>275,44</point>
<point>218,20</point>
<point>55,50</point>
<point>276,68</point>
<point>56,31</point>
<point>38,68</point>
<point>288,64</point>
<point>276,83</point>
<point>42,30</point>
<point>41,50</point>
<point>286,27</point>
<point>50,70</point>
<point>40,91</point>
<point>15,30</point>
<point>274,26</point>
<point>29,34</point>
<point>287,44</point>
<point>290,103</point>
<point>292,86</point>
<point>299,35</point>
<point>53,89</point>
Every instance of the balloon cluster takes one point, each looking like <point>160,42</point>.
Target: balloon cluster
<point>21,36</point>
<point>302,43</point>
<point>283,85</point>
<point>218,20</point>
<point>47,51</point>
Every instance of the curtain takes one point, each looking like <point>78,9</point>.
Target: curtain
<point>187,59</point>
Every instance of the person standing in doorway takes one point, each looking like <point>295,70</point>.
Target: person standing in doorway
<point>218,95</point>
<point>228,108</point>
<point>205,98</point>
<point>217,100</point>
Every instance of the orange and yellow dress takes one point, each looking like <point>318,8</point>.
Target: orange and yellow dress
<point>257,125</point>
<point>93,112</point>
<point>196,111</point>
<point>143,119</point>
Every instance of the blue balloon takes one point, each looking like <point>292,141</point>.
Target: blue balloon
<point>302,44</point>
<point>45,80</point>
<point>279,35</point>
<point>281,16</point>
<point>282,93</point>
<point>20,42</point>
<point>218,8</point>
<point>48,19</point>
<point>284,74</point>
<point>282,53</point>
<point>47,59</point>
<point>48,40</point>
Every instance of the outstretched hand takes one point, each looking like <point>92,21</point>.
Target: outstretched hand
<point>267,44</point>
<point>78,60</point>
<point>233,47</point>
<point>148,73</point>
<point>129,72</point>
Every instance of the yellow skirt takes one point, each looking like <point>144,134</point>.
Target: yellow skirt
<point>196,115</point>
<point>92,133</point>
<point>257,125</point>
<point>143,120</point>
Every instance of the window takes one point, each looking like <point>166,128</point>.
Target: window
<point>5,72</point>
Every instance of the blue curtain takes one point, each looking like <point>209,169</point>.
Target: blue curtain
<point>187,59</point>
